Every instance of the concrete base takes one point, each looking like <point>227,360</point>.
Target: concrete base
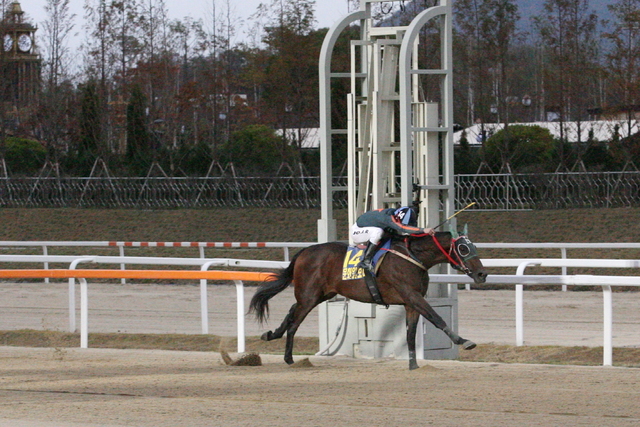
<point>373,331</point>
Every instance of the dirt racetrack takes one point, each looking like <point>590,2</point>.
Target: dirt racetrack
<point>65,387</point>
<point>98,387</point>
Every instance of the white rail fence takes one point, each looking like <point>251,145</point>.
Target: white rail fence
<point>519,280</point>
<point>203,263</point>
<point>121,245</point>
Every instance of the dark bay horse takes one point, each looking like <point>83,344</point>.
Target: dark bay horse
<point>316,273</point>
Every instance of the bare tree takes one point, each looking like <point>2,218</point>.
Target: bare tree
<point>58,29</point>
<point>57,97</point>
<point>124,33</point>
<point>568,33</point>
<point>96,43</point>
<point>154,67</point>
<point>474,65</point>
<point>623,59</point>
<point>498,34</point>
<point>485,38</point>
<point>290,88</point>
<point>154,23</point>
<point>4,88</point>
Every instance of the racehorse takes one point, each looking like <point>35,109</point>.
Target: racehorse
<point>317,275</point>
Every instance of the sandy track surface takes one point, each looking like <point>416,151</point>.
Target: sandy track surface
<point>101,387</point>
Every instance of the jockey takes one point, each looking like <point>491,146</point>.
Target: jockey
<point>371,226</point>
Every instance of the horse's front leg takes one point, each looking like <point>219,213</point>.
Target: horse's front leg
<point>412,326</point>
<point>417,302</point>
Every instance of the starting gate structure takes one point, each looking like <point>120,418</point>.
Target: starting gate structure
<point>399,150</point>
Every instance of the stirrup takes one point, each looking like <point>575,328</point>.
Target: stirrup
<point>367,265</point>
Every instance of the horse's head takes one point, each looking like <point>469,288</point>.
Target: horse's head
<point>458,250</point>
<point>464,257</point>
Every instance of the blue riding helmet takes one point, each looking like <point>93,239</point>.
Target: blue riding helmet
<point>406,216</point>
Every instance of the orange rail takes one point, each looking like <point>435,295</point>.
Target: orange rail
<point>252,276</point>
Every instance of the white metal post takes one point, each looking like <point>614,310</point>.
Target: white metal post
<point>204,299</point>
<point>204,306</point>
<point>45,252</point>
<point>84,314</point>
<point>563,252</point>
<point>519,316</point>
<point>520,305</point>
<point>240,314</point>
<point>122,266</point>
<point>607,345</point>
<point>72,293</point>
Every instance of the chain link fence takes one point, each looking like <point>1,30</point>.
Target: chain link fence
<point>549,191</point>
<point>490,192</point>
<point>161,193</point>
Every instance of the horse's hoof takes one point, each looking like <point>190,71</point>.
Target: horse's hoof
<point>468,345</point>
<point>266,336</point>
<point>289,361</point>
<point>413,365</point>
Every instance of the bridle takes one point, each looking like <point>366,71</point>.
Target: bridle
<point>460,251</point>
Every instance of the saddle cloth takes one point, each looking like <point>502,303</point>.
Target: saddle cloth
<point>350,269</point>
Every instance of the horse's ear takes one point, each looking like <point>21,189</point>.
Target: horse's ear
<point>454,233</point>
<point>465,230</point>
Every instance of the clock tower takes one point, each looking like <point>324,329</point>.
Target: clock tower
<point>19,61</point>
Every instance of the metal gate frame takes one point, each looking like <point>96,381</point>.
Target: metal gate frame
<point>385,80</point>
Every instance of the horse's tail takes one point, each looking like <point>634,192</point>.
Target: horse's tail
<point>271,287</point>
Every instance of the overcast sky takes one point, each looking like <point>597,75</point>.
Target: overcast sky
<point>327,11</point>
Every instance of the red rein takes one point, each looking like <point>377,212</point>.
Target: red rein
<point>451,260</point>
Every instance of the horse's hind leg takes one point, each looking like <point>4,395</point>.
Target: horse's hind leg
<point>412,326</point>
<point>279,332</point>
<point>299,313</point>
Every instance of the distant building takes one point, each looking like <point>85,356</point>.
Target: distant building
<point>303,137</point>
<point>20,65</point>
<point>619,113</point>
<point>573,132</point>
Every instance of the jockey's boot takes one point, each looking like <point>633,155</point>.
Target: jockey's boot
<point>367,258</point>
<point>369,274</point>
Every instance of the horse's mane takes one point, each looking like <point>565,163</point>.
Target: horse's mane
<point>422,241</point>
<point>422,236</point>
